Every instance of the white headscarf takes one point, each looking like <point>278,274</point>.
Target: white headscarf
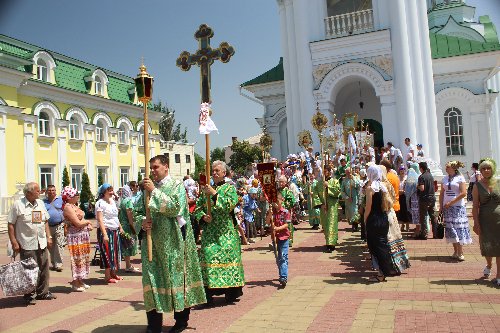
<point>374,175</point>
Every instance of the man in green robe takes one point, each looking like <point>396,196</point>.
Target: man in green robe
<point>329,210</point>
<point>288,203</point>
<point>172,280</point>
<point>314,201</point>
<point>220,255</point>
<point>350,188</point>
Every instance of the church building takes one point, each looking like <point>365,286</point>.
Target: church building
<point>427,70</point>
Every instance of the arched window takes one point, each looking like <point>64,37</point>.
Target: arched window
<point>100,131</point>
<point>74,130</point>
<point>42,70</point>
<point>454,132</point>
<point>43,124</point>
<point>122,134</point>
<point>141,135</point>
<point>98,86</point>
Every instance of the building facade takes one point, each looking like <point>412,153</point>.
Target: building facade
<point>56,112</point>
<point>427,70</point>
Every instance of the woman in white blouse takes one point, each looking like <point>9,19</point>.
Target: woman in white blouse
<point>108,233</point>
<point>452,204</point>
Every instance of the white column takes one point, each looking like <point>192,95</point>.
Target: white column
<point>417,75</point>
<point>113,165</point>
<point>494,84</point>
<point>273,130</point>
<point>62,126</point>
<point>388,109</point>
<point>29,149</point>
<point>3,160</point>
<point>89,154</point>
<point>402,74</point>
<point>134,170</point>
<point>428,76</point>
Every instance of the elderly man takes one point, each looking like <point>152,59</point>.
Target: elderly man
<point>28,230</point>
<point>53,204</point>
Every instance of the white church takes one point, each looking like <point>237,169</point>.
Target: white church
<point>423,69</point>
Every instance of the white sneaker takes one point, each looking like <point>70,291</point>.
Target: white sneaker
<point>86,286</point>
<point>461,257</point>
<point>487,272</point>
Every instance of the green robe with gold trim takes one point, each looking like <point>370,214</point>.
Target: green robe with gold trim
<point>288,203</point>
<point>314,201</point>
<point>330,218</point>
<point>220,255</point>
<point>172,281</point>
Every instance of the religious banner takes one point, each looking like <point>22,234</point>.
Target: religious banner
<point>267,180</point>
<point>206,123</point>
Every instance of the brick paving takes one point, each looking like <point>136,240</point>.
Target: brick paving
<point>326,293</point>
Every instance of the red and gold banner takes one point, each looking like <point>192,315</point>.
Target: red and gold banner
<point>267,180</point>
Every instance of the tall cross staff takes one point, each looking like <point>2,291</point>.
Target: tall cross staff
<point>204,58</point>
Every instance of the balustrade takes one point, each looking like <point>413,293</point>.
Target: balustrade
<point>349,23</point>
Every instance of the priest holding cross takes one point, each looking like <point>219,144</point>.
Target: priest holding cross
<point>220,255</point>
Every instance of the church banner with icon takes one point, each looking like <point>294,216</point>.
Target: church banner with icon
<point>267,180</point>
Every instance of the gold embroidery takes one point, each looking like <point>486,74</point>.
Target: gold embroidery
<point>233,264</point>
<point>168,291</point>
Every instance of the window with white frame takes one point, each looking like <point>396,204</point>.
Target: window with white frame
<point>454,132</point>
<point>43,124</point>
<point>74,131</point>
<point>98,86</point>
<point>102,172</point>
<point>124,176</point>
<point>76,177</point>
<point>42,70</point>
<point>46,176</point>
<point>100,131</point>
<point>122,135</point>
<point>143,172</point>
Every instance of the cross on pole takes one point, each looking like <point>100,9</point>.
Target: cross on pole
<point>204,58</point>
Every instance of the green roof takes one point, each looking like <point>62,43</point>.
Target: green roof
<point>443,46</point>
<point>69,73</point>
<point>273,75</point>
<point>490,32</point>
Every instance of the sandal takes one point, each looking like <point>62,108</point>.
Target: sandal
<point>111,281</point>
<point>117,278</point>
<point>377,278</point>
<point>132,270</point>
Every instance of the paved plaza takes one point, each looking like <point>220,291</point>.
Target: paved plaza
<point>325,293</point>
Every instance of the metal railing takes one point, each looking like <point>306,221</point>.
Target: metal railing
<point>349,23</point>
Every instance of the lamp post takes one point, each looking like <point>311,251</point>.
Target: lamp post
<point>144,88</point>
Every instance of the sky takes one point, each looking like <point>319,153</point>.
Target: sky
<point>115,34</point>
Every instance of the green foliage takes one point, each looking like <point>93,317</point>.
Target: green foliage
<point>139,176</point>
<point>243,155</point>
<point>100,181</point>
<point>199,166</point>
<point>65,177</point>
<point>85,194</point>
<point>217,154</point>
<point>167,127</point>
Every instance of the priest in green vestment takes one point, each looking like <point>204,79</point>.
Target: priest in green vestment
<point>350,188</point>
<point>329,210</point>
<point>314,202</point>
<point>172,281</point>
<point>288,202</point>
<point>220,255</point>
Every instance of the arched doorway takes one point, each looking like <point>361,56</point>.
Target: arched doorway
<point>375,128</point>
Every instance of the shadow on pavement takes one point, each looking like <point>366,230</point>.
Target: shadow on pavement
<point>12,302</point>
<point>444,259</point>
<point>120,329</point>
<point>482,281</point>
<point>264,283</point>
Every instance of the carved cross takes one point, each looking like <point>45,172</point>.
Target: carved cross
<point>205,57</point>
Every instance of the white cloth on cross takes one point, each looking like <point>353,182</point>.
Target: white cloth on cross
<point>206,123</point>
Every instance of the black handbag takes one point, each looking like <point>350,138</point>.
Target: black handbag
<point>440,226</point>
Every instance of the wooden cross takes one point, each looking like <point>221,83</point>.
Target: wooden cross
<point>204,58</point>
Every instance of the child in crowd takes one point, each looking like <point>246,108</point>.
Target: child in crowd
<point>280,234</point>
<point>238,215</point>
<point>249,208</point>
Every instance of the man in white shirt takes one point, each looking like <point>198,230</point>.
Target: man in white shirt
<point>409,151</point>
<point>29,235</point>
<point>392,152</point>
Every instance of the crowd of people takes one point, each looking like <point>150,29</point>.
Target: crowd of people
<point>198,228</point>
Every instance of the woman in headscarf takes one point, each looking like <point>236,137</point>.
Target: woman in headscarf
<point>486,215</point>
<point>129,235</point>
<point>411,195</point>
<point>378,203</point>
<point>404,216</point>
<point>452,205</point>
<point>108,233</point>
<point>78,238</point>
<point>395,241</point>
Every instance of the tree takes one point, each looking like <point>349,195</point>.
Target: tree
<point>167,127</point>
<point>85,194</point>
<point>199,166</point>
<point>139,176</point>
<point>100,180</point>
<point>243,155</point>
<point>65,177</point>
<point>218,154</point>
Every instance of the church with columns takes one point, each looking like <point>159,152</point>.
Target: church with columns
<point>427,70</point>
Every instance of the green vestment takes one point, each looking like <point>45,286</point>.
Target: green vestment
<point>220,255</point>
<point>313,202</point>
<point>127,203</point>
<point>330,218</point>
<point>172,281</point>
<point>350,189</point>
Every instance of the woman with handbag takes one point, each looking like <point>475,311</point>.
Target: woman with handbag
<point>486,215</point>
<point>452,205</point>
<point>78,238</point>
